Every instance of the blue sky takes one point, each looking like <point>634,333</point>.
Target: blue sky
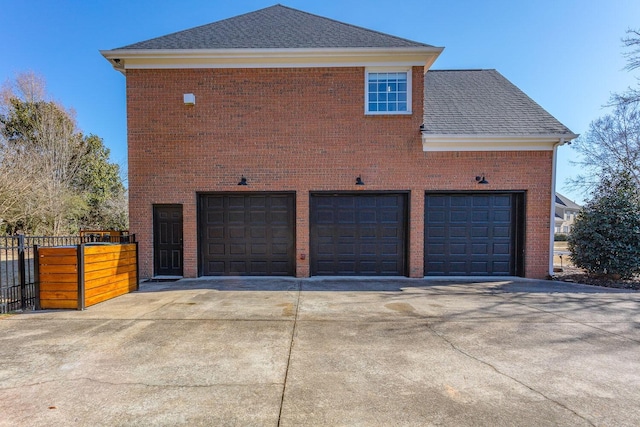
<point>565,54</point>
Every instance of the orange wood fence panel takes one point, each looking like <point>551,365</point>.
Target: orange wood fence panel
<point>84,275</point>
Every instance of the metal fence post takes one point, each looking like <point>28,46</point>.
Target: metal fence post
<point>36,275</point>
<point>80,254</point>
<point>22,273</point>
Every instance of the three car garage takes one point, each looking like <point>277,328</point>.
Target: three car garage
<point>363,233</point>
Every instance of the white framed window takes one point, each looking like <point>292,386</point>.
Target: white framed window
<point>387,91</point>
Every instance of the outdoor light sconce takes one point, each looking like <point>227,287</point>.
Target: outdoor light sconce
<point>243,181</point>
<point>481,180</point>
<point>189,99</point>
<point>359,181</point>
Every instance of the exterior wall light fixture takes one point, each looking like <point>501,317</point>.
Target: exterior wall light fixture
<point>481,180</point>
<point>243,181</point>
<point>359,181</point>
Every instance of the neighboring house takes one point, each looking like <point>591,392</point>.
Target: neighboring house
<point>566,212</point>
<point>283,143</point>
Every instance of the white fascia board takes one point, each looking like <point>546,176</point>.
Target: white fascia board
<point>123,59</point>
<point>432,142</point>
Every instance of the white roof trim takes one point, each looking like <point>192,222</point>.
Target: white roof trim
<point>123,59</point>
<point>450,142</point>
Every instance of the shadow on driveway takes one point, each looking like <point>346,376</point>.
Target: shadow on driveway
<point>377,284</point>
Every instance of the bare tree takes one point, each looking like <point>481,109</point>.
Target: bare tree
<point>44,145</point>
<point>632,43</point>
<point>53,179</point>
<point>612,144</point>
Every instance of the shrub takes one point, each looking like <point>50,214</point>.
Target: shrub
<point>560,237</point>
<point>606,235</point>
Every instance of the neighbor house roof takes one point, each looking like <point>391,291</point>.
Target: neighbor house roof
<point>482,102</point>
<point>275,27</point>
<point>564,201</point>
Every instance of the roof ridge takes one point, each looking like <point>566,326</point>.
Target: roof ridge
<point>346,23</point>
<point>462,69</point>
<point>259,24</point>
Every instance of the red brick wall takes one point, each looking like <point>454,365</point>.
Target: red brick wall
<point>300,130</point>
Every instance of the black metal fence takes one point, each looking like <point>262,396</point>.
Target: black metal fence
<point>17,273</point>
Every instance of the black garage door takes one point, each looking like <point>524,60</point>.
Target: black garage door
<point>246,234</point>
<point>358,234</point>
<point>473,234</point>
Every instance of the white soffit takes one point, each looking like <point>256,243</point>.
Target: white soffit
<point>123,59</point>
<point>493,142</point>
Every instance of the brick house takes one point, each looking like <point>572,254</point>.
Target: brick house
<point>284,143</point>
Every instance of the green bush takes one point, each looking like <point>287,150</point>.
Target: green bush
<point>560,237</point>
<point>605,238</point>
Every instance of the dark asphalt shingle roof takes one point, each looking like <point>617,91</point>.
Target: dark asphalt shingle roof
<point>482,102</point>
<point>272,28</point>
<point>563,200</point>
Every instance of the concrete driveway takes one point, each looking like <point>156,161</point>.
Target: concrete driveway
<point>331,352</point>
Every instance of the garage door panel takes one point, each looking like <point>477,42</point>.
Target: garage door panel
<point>215,267</point>
<point>215,232</point>
<point>237,249</point>
<point>455,249</point>
<point>501,267</point>
<point>502,201</point>
<point>458,201</point>
<point>459,216</point>
<point>477,232</point>
<point>394,233</point>
<point>367,232</point>
<point>214,202</point>
<point>393,250</point>
<point>346,249</point>
<point>216,249</point>
<point>279,218</point>
<point>479,267</point>
<point>236,217</point>
<point>246,234</point>
<point>368,216</point>
<point>457,232</point>
<point>479,249</point>
<point>236,202</point>
<point>480,201</point>
<point>258,249</point>
<point>477,236</point>
<point>502,216</point>
<point>480,216</point>
<point>435,231</point>
<point>501,249</point>
<point>235,232</point>
<point>215,217</point>
<point>458,267</point>
<point>258,217</point>
<point>435,217</point>
<point>362,234</point>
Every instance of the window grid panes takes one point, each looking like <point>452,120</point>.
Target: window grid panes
<point>387,92</point>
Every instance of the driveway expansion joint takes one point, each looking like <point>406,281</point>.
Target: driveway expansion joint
<point>293,335</point>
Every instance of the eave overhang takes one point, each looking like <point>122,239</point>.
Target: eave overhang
<point>124,59</point>
<point>451,142</point>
